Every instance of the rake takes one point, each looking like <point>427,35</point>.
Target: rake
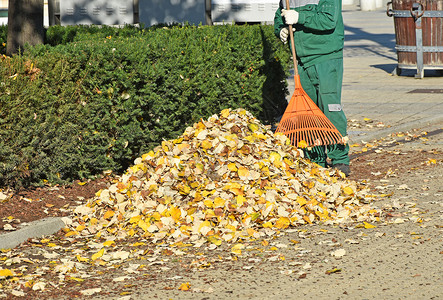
<point>302,119</point>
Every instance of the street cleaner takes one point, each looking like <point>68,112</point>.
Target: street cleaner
<point>319,38</point>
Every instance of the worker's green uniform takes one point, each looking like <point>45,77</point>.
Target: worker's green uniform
<point>318,40</point>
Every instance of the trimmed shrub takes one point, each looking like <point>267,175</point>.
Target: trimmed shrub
<point>99,98</point>
<point>3,38</point>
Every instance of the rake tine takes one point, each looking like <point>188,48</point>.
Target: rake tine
<point>302,106</point>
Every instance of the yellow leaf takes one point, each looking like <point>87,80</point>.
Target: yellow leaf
<point>175,213</point>
<point>82,183</point>
<point>156,216</point>
<point>274,156</point>
<point>232,167</point>
<point>82,259</point>
<point>348,190</point>
<point>98,254</point>
<point>135,219</point>
<point>282,222</point>
<point>148,155</point>
<point>302,201</point>
<point>261,136</point>
<point>76,279</point>
<point>219,202</point>
<point>225,113</point>
<point>109,214</point>
<point>254,216</point>
<point>185,286</point>
<point>70,233</point>
<point>80,228</point>
<point>204,224</point>
<point>165,146</point>
<point>302,144</point>
<point>332,271</point>
<point>253,127</point>
<point>236,249</point>
<point>209,213</point>
<point>240,200</point>
<point>214,240</point>
<point>312,202</point>
<point>307,219</point>
<point>432,162</point>
<point>208,203</point>
<point>368,226</point>
<point>143,225</point>
<point>182,146</point>
<point>249,138</point>
<point>232,185</point>
<point>206,144</point>
<point>243,172</point>
<point>5,273</point>
<point>108,243</point>
<point>250,231</point>
<point>138,244</point>
<point>267,225</point>
<point>230,227</point>
<point>184,189</point>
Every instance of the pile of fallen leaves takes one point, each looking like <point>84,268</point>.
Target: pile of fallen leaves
<point>225,178</point>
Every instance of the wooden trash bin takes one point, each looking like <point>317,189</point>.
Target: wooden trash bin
<point>418,33</point>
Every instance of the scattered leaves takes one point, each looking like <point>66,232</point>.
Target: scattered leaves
<point>332,271</point>
<point>185,286</point>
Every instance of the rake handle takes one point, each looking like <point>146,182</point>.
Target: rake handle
<point>291,36</point>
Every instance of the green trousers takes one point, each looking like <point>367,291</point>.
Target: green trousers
<point>323,83</point>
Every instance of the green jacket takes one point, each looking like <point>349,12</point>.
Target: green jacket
<point>319,34</point>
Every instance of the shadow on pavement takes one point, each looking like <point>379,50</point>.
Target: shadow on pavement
<point>383,39</point>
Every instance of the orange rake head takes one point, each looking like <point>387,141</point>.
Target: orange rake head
<point>304,121</point>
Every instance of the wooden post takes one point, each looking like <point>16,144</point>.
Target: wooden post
<point>25,24</point>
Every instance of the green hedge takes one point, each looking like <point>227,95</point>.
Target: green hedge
<point>3,35</point>
<point>93,99</point>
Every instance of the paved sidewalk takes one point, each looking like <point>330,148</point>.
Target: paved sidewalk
<point>370,90</point>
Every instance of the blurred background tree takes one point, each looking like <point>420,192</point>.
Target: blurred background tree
<point>25,24</point>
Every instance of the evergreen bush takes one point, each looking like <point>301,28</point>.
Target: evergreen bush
<point>95,98</point>
<point>3,38</point>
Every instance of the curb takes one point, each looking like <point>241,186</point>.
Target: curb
<point>34,229</point>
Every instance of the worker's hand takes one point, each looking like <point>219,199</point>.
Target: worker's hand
<point>284,33</point>
<point>291,16</point>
